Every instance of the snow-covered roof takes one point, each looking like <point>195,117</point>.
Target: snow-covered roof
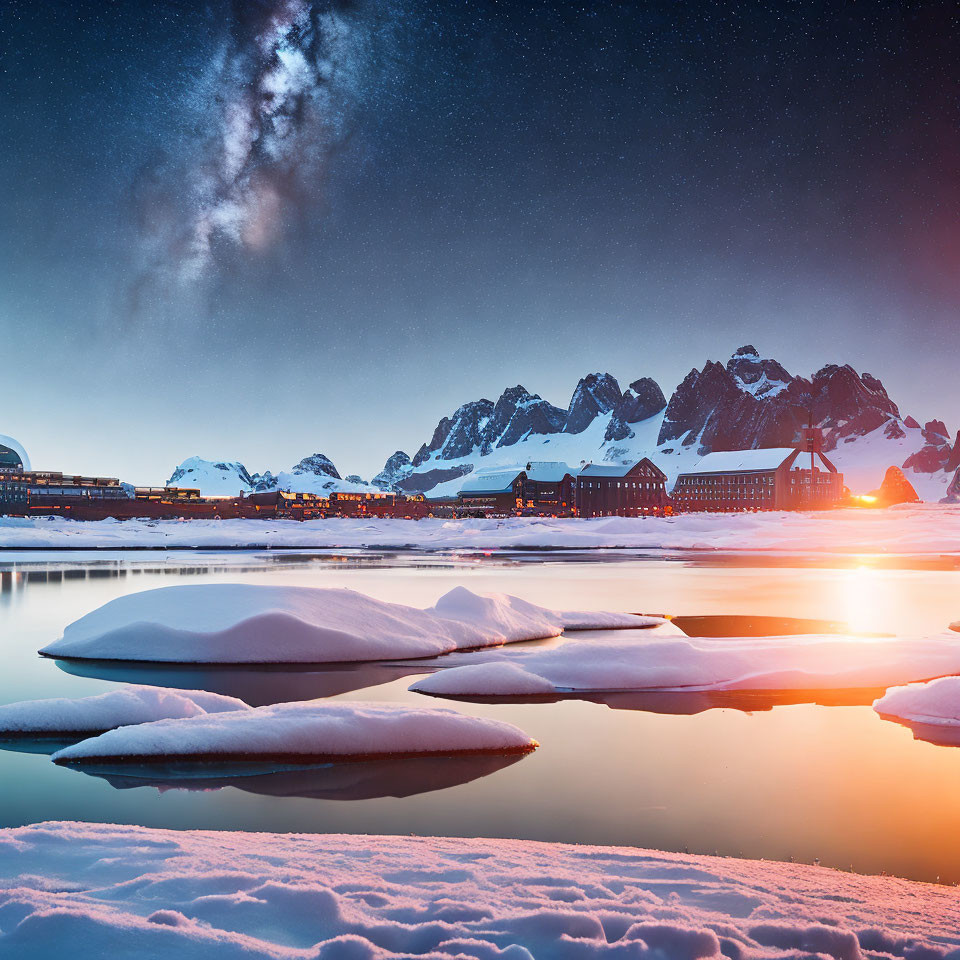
<point>491,481</point>
<point>606,469</point>
<point>17,449</point>
<point>547,471</point>
<point>730,461</point>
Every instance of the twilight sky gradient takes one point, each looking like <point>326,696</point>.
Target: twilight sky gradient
<point>265,228</point>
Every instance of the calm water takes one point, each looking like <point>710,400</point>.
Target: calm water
<point>804,781</point>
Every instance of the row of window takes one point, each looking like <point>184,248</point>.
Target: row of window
<point>627,485</point>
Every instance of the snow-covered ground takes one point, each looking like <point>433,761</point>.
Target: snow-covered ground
<point>681,664</point>
<point>90,891</point>
<point>309,731</point>
<point>922,528</point>
<point>246,623</point>
<point>116,708</point>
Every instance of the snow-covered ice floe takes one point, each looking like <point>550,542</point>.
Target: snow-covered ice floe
<point>243,623</point>
<point>62,717</point>
<point>306,732</point>
<point>931,710</point>
<point>95,890</point>
<point>809,662</point>
<point>914,528</point>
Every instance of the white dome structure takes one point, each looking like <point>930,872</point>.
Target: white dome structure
<point>12,455</point>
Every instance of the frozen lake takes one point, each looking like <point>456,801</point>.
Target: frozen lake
<point>802,781</point>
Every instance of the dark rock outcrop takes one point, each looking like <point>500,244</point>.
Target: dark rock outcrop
<point>458,435</point>
<point>428,479</point>
<point>519,413</point>
<point>640,401</point>
<point>719,410</point>
<point>397,467</point>
<point>595,394</point>
<point>317,464</point>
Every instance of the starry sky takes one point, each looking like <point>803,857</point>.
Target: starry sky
<point>259,229</point>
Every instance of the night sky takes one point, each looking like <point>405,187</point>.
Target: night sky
<point>258,230</point>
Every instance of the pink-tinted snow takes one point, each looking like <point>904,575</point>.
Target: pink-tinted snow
<point>89,891</point>
<point>921,528</point>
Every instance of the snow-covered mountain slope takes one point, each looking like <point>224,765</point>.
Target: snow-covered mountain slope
<point>751,401</point>
<point>215,478</point>
<point>228,478</point>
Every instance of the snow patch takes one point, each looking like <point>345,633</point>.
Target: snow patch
<point>809,662</point>
<point>243,623</point>
<point>305,732</point>
<point>240,896</point>
<point>116,708</point>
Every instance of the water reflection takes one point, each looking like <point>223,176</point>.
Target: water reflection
<point>940,734</point>
<point>688,703</point>
<point>339,781</point>
<point>256,684</point>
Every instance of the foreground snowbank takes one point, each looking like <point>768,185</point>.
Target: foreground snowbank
<point>62,716</point>
<point>244,623</point>
<point>919,528</point>
<point>304,732</point>
<point>690,664</point>
<point>91,891</point>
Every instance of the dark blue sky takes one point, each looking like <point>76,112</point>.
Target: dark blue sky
<point>258,230</point>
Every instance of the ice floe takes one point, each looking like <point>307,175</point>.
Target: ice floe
<point>242,623</point>
<point>809,662</point>
<point>62,717</point>
<point>914,528</point>
<point>937,702</point>
<point>92,890</point>
<point>308,732</point>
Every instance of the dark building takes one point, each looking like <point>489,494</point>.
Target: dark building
<point>778,478</point>
<point>544,488</point>
<point>624,490</point>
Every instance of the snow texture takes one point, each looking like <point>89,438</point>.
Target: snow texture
<point>89,891</point>
<point>243,623</point>
<point>809,662</point>
<point>937,702</point>
<point>306,732</point>
<point>116,708</point>
<point>909,528</point>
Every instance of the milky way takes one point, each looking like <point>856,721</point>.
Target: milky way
<point>274,104</point>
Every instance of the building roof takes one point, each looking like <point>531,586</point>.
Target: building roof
<point>614,469</point>
<point>746,461</point>
<point>547,471</point>
<point>12,444</point>
<point>498,480</point>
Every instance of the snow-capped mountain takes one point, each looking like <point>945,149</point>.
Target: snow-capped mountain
<point>750,401</point>
<point>222,478</point>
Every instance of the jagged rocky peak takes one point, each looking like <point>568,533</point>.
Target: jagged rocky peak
<point>397,467</point>
<point>595,394</point>
<point>757,375</point>
<point>700,398</point>
<point>316,464</point>
<point>752,402</point>
<point>640,401</point>
<point>459,435</point>
<point>850,404</point>
<point>519,413</point>
<point>935,432</point>
<point>937,453</point>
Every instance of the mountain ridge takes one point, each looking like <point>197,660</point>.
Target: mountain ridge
<point>750,401</point>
